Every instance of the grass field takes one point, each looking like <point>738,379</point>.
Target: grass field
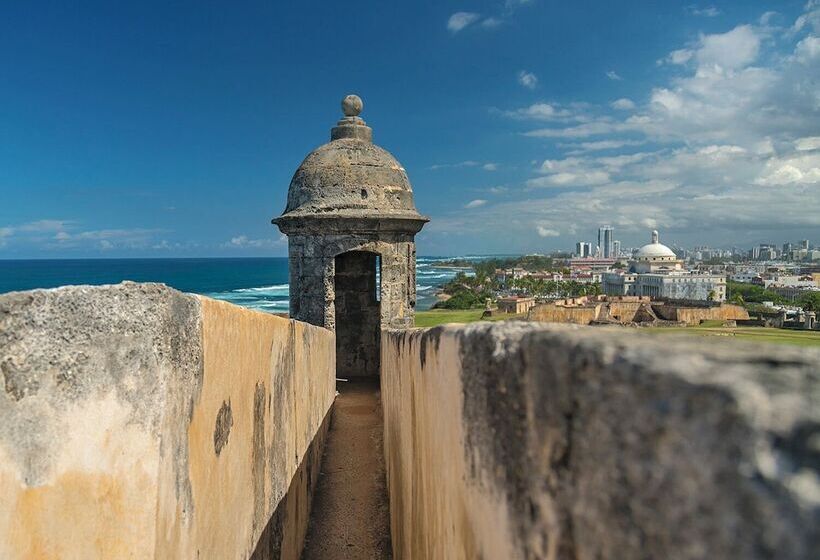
<point>435,317</point>
<point>711,328</point>
<point>751,334</point>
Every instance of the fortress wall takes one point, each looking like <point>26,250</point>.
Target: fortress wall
<point>551,313</point>
<point>694,315</point>
<point>522,440</point>
<point>140,422</point>
<point>625,311</point>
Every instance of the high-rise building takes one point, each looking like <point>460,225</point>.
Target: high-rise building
<point>804,244</point>
<point>616,249</point>
<point>787,248</point>
<point>583,249</point>
<point>605,234</point>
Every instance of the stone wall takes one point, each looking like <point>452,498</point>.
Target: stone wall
<point>140,422</point>
<point>523,441</point>
<point>694,315</point>
<point>311,263</point>
<point>551,313</point>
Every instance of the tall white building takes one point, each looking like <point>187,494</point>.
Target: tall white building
<point>656,271</point>
<point>616,249</point>
<point>605,234</point>
<point>583,249</point>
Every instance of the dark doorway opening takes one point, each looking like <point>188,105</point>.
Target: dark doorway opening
<point>358,315</point>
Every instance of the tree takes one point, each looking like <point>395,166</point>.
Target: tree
<point>810,301</point>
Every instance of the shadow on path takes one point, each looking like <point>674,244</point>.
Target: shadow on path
<point>350,517</point>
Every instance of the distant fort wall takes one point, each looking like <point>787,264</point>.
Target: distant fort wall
<point>520,440</point>
<point>627,309</point>
<point>694,315</point>
<point>140,422</point>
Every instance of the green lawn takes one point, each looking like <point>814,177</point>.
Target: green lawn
<point>752,334</point>
<point>435,317</point>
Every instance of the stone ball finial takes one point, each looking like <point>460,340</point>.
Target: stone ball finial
<point>352,105</point>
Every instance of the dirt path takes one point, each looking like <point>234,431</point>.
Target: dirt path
<point>350,519</point>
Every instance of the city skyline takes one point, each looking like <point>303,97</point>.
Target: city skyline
<point>173,131</point>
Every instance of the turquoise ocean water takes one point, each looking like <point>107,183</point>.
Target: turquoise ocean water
<point>257,283</point>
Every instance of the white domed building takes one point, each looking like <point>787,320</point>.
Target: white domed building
<point>655,257</point>
<point>656,271</point>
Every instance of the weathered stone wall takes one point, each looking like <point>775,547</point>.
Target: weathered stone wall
<point>694,315</point>
<point>551,313</point>
<point>140,422</point>
<point>312,271</point>
<point>525,441</point>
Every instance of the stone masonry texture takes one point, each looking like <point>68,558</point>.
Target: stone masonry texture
<point>350,195</point>
<point>531,441</point>
<point>140,422</point>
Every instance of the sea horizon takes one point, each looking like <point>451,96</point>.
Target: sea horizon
<point>256,282</point>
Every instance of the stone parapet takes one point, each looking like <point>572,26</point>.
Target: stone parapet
<point>528,441</point>
<point>140,422</point>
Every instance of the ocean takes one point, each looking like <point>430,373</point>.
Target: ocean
<point>257,283</point>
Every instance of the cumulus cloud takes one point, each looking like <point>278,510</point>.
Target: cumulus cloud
<point>461,20</point>
<point>547,232</point>
<point>475,203</point>
<point>623,104</point>
<point>732,145</point>
<point>613,75</point>
<point>49,234</point>
<point>542,112</point>
<point>527,79</point>
<point>809,143</point>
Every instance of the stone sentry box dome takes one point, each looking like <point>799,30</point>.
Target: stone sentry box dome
<point>350,212</point>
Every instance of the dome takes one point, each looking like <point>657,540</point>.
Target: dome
<point>350,177</point>
<point>655,250</point>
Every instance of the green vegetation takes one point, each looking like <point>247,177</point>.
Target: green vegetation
<point>743,293</point>
<point>752,334</point>
<point>467,292</point>
<point>708,328</point>
<point>442,316</point>
<point>472,292</point>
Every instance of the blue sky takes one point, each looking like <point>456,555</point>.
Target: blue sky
<point>173,129</point>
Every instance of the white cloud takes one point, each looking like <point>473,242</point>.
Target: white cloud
<point>623,104</point>
<point>460,20</point>
<point>680,56</point>
<point>546,232</point>
<point>527,79</point>
<point>731,50</point>
<point>491,22</point>
<point>808,49</point>
<point>733,149</point>
<point>809,143</point>
<point>488,166</point>
<point>613,75</point>
<point>475,203</point>
<point>803,169</point>
<point>708,11</point>
<point>244,242</point>
<point>541,111</point>
<point>600,145</point>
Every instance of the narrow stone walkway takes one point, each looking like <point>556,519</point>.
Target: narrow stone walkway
<point>350,518</point>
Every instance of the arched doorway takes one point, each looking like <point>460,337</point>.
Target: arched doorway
<point>358,314</point>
